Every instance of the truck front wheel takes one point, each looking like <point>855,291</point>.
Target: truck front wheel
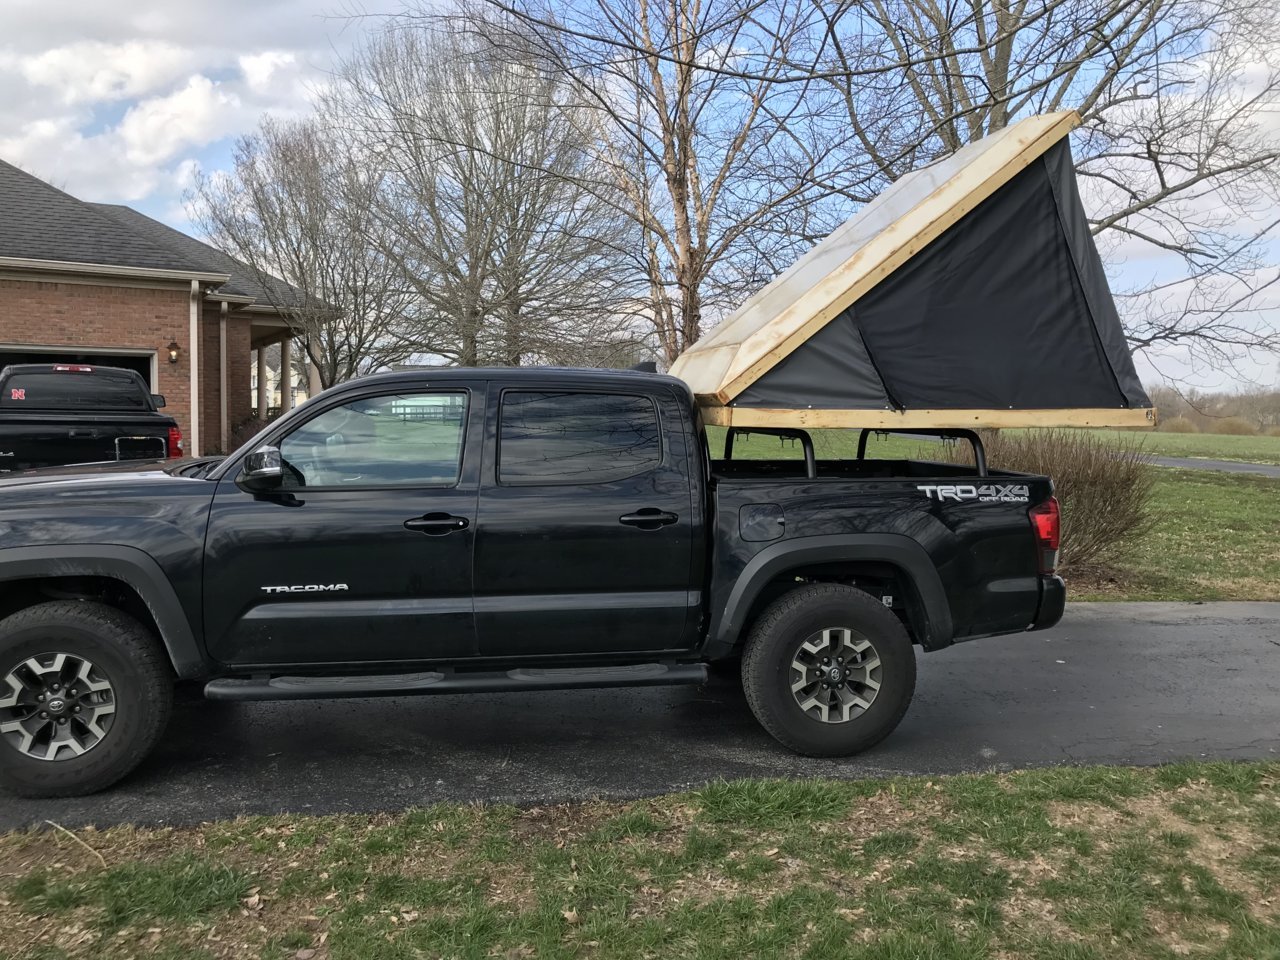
<point>85,693</point>
<point>828,670</point>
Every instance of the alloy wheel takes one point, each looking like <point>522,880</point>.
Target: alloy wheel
<point>55,706</point>
<point>835,675</point>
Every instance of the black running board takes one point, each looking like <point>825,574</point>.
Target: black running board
<point>454,681</point>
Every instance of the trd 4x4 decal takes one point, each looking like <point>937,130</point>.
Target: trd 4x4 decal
<point>987,493</point>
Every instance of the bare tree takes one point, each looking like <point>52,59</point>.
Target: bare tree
<point>1178,155</point>
<point>297,205</point>
<point>694,147</point>
<point>493,207</point>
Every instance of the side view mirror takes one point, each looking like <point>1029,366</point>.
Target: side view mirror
<point>157,400</point>
<point>263,468</point>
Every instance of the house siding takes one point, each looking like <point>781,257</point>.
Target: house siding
<point>36,314</point>
<point>239,364</point>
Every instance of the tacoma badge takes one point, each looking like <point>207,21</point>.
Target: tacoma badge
<point>308,588</point>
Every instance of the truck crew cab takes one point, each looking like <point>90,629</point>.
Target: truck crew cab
<point>478,530</point>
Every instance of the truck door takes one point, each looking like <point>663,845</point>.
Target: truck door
<point>584,541</point>
<point>364,552</point>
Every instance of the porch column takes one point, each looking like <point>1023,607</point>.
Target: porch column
<point>224,428</point>
<point>313,379</point>
<point>286,374</point>
<point>193,367</point>
<point>263,396</point>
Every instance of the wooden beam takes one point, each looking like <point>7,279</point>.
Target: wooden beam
<point>926,419</point>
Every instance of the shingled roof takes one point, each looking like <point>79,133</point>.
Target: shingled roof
<point>39,222</point>
<point>244,282</point>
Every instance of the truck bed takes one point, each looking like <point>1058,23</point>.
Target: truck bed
<point>966,534</point>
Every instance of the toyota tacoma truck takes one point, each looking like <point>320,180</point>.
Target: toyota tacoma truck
<point>53,414</point>
<point>494,530</point>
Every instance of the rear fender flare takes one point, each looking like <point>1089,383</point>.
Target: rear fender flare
<point>130,566</point>
<point>901,552</point>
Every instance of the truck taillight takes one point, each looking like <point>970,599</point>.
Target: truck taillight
<point>72,368</point>
<point>1046,521</point>
<point>175,442</point>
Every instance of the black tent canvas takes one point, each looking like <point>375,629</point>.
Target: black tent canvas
<point>968,294</point>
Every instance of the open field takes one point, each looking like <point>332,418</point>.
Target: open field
<point>836,444</point>
<point>1216,537</point>
<point>1209,446</point>
<point>1065,864</point>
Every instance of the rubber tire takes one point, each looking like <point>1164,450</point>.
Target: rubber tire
<point>133,660</point>
<point>766,668</point>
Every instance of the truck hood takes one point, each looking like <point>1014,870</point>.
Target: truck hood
<point>141,504</point>
<point>113,474</point>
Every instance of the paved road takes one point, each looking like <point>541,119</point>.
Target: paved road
<point>1225,466</point>
<point>1115,683</point>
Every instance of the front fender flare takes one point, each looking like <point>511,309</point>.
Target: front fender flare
<point>896,550</point>
<point>129,565</point>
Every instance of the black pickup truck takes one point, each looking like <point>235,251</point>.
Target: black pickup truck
<point>52,414</point>
<point>492,530</point>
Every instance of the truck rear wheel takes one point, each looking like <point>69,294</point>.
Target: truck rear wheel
<point>85,693</point>
<point>828,670</point>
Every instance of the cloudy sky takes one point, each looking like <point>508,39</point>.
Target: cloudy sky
<point>120,101</point>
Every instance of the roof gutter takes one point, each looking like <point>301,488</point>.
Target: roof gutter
<point>235,299</point>
<point>112,270</point>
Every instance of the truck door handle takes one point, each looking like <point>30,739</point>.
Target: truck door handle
<point>650,518</point>
<point>436,524</point>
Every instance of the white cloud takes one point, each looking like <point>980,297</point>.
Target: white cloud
<point>260,68</point>
<point>92,71</point>
<point>159,128</point>
<point>118,101</point>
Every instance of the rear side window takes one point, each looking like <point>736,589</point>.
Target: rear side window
<point>73,390</point>
<point>576,437</point>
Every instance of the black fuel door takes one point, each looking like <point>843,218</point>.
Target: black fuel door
<point>761,521</point>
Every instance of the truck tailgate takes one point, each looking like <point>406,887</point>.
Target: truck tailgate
<point>34,440</point>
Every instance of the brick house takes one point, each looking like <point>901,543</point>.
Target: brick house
<point>98,283</point>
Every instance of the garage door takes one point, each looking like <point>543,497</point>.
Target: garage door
<point>142,364</point>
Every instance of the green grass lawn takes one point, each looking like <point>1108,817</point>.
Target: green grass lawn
<point>1210,446</point>
<point>1216,537</point>
<point>827,445</point>
<point>1066,864</point>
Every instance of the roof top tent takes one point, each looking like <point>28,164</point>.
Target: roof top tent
<point>968,294</point>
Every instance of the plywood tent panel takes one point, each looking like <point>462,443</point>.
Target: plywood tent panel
<point>967,294</point>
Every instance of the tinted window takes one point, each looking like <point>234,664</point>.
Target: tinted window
<point>403,440</point>
<point>576,437</point>
<point>71,389</point>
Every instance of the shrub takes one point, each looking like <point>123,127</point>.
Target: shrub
<point>244,431</point>
<point>1234,427</point>
<point>1104,483</point>
<point>1178,425</point>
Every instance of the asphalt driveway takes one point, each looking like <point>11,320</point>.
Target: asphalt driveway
<point>1115,683</point>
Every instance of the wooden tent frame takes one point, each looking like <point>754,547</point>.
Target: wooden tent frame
<point>749,343</point>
